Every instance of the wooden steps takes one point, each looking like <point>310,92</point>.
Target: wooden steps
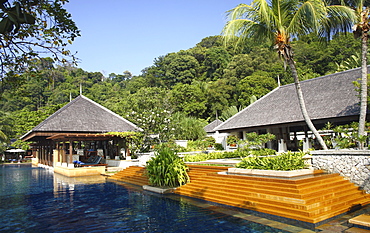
<point>132,175</point>
<point>311,199</point>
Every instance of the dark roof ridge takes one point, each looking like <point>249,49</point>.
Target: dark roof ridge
<point>323,77</point>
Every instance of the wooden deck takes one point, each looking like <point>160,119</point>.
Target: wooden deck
<point>311,199</point>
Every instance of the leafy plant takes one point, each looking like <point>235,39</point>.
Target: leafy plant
<point>254,140</point>
<point>285,162</point>
<point>232,139</point>
<point>171,145</point>
<point>218,146</point>
<point>201,144</point>
<point>347,136</point>
<point>262,152</point>
<point>167,169</point>
<point>130,140</point>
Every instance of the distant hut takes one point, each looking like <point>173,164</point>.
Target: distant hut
<point>80,123</point>
<point>331,98</point>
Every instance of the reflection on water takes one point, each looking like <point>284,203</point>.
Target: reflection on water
<point>37,200</point>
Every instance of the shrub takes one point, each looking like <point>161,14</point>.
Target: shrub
<point>232,139</point>
<point>167,169</point>
<point>210,141</point>
<point>285,162</point>
<point>262,152</point>
<point>218,146</point>
<point>171,145</point>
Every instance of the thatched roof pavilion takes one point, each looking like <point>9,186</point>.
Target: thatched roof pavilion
<point>331,98</point>
<point>81,119</point>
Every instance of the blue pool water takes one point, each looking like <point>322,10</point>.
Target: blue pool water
<point>36,200</point>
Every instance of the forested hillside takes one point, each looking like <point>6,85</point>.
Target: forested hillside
<point>192,86</point>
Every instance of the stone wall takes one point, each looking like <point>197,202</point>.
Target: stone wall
<point>352,164</point>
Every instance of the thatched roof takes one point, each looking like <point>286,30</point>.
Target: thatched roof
<point>210,128</point>
<point>82,115</point>
<point>328,97</point>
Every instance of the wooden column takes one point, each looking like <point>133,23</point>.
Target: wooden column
<point>70,152</point>
<point>64,153</point>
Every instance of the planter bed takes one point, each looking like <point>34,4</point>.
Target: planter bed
<point>275,173</point>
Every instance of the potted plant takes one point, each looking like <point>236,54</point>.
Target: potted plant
<point>232,140</point>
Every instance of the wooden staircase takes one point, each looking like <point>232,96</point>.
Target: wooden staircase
<point>132,175</point>
<point>311,199</point>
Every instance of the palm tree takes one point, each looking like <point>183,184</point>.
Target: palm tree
<point>360,30</point>
<point>278,22</point>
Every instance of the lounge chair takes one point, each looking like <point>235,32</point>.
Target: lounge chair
<point>91,159</point>
<point>96,162</point>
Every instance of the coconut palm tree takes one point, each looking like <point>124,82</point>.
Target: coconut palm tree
<point>360,30</point>
<point>278,21</point>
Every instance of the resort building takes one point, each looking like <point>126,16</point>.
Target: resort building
<point>76,131</point>
<point>331,98</point>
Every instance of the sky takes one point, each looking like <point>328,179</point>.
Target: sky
<point>127,35</point>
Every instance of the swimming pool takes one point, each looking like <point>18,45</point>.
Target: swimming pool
<point>35,200</point>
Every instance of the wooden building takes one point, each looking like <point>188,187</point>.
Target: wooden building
<point>77,129</point>
<point>331,98</point>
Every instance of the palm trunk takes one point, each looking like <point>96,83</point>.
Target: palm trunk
<point>302,104</point>
<point>363,91</point>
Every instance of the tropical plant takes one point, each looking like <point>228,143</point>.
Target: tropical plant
<point>131,141</point>
<point>352,62</point>
<point>254,140</point>
<point>187,127</point>
<point>285,162</point>
<point>279,21</point>
<point>347,136</point>
<point>167,169</point>
<point>229,112</point>
<point>232,139</point>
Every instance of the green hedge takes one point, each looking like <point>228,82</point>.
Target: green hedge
<point>284,162</point>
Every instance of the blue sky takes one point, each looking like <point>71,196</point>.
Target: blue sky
<point>120,35</point>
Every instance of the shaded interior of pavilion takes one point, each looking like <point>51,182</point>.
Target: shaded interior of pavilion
<point>295,136</point>
<point>62,149</point>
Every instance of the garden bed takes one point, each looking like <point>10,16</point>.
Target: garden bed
<point>293,173</point>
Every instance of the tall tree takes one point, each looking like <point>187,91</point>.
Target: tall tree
<point>28,27</point>
<point>361,30</point>
<point>278,21</point>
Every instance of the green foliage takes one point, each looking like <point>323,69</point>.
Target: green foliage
<point>188,128</point>
<point>167,169</point>
<point>285,162</point>
<point>254,140</point>
<point>131,140</point>
<point>347,136</point>
<point>201,144</point>
<point>262,152</point>
<point>218,146</point>
<point>171,145</point>
<point>46,23</point>
<point>232,139</point>
<point>214,155</point>
<point>229,112</point>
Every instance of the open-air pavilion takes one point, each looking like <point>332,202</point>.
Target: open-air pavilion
<point>331,98</point>
<point>77,131</point>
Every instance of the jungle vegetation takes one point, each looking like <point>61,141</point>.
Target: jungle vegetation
<point>188,87</point>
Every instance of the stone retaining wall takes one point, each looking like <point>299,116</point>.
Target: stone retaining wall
<point>352,164</point>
